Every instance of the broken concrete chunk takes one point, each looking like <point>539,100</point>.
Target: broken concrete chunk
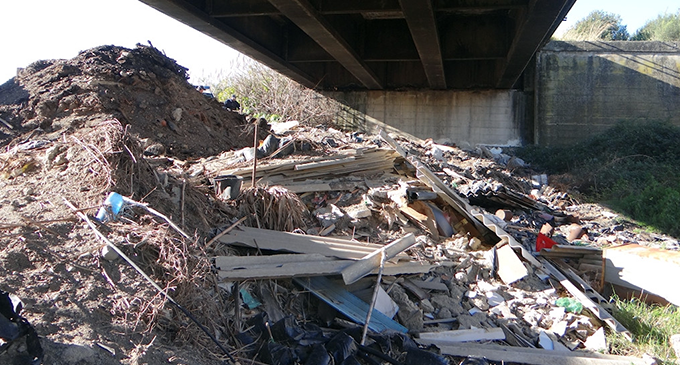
<point>329,215</point>
<point>358,211</point>
<point>597,341</point>
<point>510,268</point>
<point>445,301</point>
<point>409,314</point>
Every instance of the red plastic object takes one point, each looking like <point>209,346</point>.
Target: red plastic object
<point>543,241</point>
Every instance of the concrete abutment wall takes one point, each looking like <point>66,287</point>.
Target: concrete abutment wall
<point>466,118</point>
<point>574,90</point>
<point>584,88</point>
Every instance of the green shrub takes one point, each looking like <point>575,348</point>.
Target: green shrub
<point>631,167</point>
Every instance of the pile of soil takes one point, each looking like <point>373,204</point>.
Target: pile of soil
<point>73,131</point>
<point>142,88</point>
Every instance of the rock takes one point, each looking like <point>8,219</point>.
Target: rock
<point>177,114</point>
<point>444,313</point>
<point>675,343</point>
<point>409,314</point>
<point>576,231</point>
<point>466,321</point>
<point>445,301</point>
<point>475,243</point>
<point>480,302</point>
<point>109,253</point>
<point>75,354</point>
<point>329,215</point>
<point>358,211</point>
<point>155,149</point>
<point>426,306</point>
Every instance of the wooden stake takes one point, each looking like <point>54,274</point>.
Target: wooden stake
<point>207,245</point>
<point>375,298</point>
<point>252,181</point>
<point>184,185</point>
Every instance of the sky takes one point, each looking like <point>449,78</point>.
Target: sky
<point>634,13</point>
<point>32,30</point>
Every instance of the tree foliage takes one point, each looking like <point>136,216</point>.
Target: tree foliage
<point>263,92</point>
<point>666,28</point>
<point>598,26</point>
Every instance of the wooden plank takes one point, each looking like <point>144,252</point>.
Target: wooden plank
<point>531,356</point>
<point>372,261</point>
<point>348,304</point>
<point>645,269</point>
<point>595,308</point>
<point>445,338</point>
<point>510,267</point>
<point>307,187</point>
<point>300,243</point>
<point>313,165</point>
<point>299,265</point>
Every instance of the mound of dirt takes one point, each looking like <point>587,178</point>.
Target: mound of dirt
<point>73,131</point>
<point>141,87</point>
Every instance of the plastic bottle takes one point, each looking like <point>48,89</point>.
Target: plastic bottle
<point>111,207</point>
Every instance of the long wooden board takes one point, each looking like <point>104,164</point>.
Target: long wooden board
<point>370,262</point>
<point>299,265</point>
<point>524,355</point>
<point>291,242</point>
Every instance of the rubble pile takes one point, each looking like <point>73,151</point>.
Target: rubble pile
<point>135,207</point>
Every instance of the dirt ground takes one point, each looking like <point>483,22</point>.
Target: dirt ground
<point>116,119</point>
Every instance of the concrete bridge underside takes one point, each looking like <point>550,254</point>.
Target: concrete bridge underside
<point>360,45</point>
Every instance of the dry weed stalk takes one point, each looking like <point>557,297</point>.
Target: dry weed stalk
<point>273,208</point>
<point>182,268</point>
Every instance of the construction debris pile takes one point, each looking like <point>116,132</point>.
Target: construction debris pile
<point>134,207</point>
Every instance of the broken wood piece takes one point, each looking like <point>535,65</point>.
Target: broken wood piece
<point>306,187</point>
<point>473,226</point>
<point>6,123</point>
<point>531,356</point>
<point>593,294</point>
<point>510,267</point>
<point>326,231</point>
<point>643,269</point>
<point>300,243</point>
<point>348,304</point>
<point>421,220</point>
<point>456,336</point>
<point>595,308</point>
<point>372,261</point>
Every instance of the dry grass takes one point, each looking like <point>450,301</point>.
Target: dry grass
<point>593,33</point>
<point>273,208</point>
